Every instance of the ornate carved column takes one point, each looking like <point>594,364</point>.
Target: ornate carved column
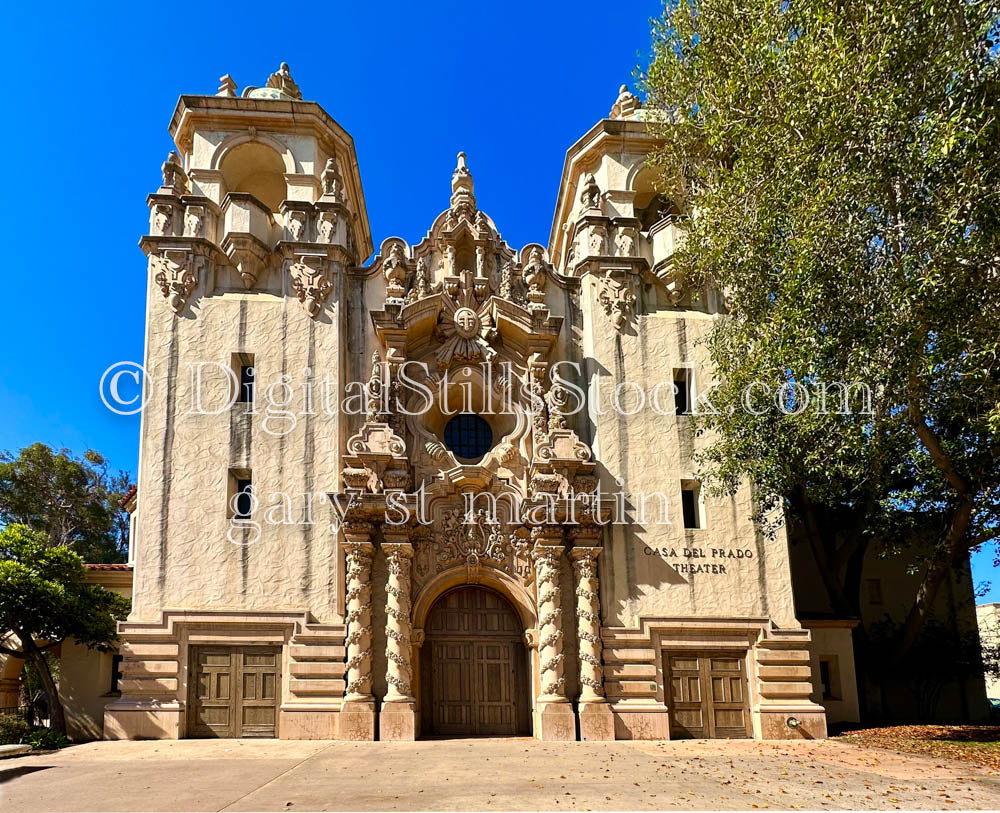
<point>596,720</point>
<point>553,714</point>
<point>357,716</point>
<point>397,720</point>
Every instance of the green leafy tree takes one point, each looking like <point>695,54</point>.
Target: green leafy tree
<point>840,164</point>
<point>45,600</point>
<point>74,501</point>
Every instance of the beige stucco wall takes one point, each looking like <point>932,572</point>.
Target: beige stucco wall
<point>185,552</point>
<point>834,643</point>
<point>85,674</point>
<point>651,453</point>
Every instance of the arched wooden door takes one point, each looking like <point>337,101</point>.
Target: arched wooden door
<point>474,669</point>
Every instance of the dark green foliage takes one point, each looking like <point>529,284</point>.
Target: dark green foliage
<point>841,165</point>
<point>46,739</point>
<point>74,501</point>
<point>14,729</point>
<point>45,599</point>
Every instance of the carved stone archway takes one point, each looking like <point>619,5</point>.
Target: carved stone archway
<point>499,582</point>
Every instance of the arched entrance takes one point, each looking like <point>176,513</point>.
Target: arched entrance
<point>474,666</point>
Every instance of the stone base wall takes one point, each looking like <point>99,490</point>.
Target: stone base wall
<point>156,672</point>
<point>155,687</point>
<point>776,663</point>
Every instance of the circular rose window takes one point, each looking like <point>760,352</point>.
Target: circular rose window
<point>468,436</point>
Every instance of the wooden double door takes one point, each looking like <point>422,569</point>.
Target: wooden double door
<point>707,694</point>
<point>474,671</point>
<point>234,691</point>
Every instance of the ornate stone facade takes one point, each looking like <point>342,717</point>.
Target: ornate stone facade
<point>367,520</point>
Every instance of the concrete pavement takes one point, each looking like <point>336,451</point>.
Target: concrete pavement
<point>485,774</point>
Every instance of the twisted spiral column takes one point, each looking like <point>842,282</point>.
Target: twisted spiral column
<point>398,676</point>
<point>548,570</point>
<point>359,551</point>
<point>588,624</point>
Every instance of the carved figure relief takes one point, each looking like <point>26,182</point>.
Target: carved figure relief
<point>590,192</point>
<point>614,292</point>
<point>295,223</point>
<point>625,242</point>
<point>194,221</point>
<point>172,272</point>
<point>310,283</point>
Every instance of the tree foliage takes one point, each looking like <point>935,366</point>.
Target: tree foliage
<point>45,600</point>
<point>840,164</point>
<point>74,501</point>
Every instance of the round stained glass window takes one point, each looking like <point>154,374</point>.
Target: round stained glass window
<point>468,436</point>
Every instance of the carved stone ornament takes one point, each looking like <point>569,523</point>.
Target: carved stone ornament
<point>421,287</point>
<point>173,274</point>
<point>463,199</point>
<point>596,238</point>
<point>174,177</point>
<point>310,283</point>
<point>333,185</point>
<point>457,539</point>
<point>616,297</point>
<point>376,439</point>
<point>626,105</point>
<point>296,222</point>
<point>161,220</point>
<point>535,278</point>
<point>194,221</point>
<point>466,326</point>
<point>395,271</point>
<point>625,242</point>
<point>326,227</point>
<point>280,85</point>
<point>590,192</point>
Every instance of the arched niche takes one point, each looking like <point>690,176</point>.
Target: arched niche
<point>256,167</point>
<point>650,205</point>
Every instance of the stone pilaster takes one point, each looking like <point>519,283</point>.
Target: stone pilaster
<point>553,713</point>
<point>357,717</point>
<point>596,720</point>
<point>397,720</point>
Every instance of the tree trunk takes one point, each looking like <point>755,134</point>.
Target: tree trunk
<point>57,717</point>
<point>951,549</point>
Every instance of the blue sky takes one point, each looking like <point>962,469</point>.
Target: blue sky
<point>90,92</point>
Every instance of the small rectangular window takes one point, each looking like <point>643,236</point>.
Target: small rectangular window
<point>239,497</point>
<point>691,504</point>
<point>874,591</point>
<point>244,372</point>
<point>824,679</point>
<point>244,489</point>
<point>116,674</point>
<point>682,391</point>
<point>246,384</point>
<point>829,677</point>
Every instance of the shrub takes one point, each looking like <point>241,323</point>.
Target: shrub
<point>14,729</point>
<point>46,739</point>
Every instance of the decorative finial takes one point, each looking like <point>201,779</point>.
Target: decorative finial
<point>625,105</point>
<point>282,82</point>
<point>462,186</point>
<point>227,86</point>
<point>332,182</point>
<point>174,177</point>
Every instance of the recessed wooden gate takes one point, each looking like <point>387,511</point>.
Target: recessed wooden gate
<point>707,694</point>
<point>475,679</point>
<point>234,691</point>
